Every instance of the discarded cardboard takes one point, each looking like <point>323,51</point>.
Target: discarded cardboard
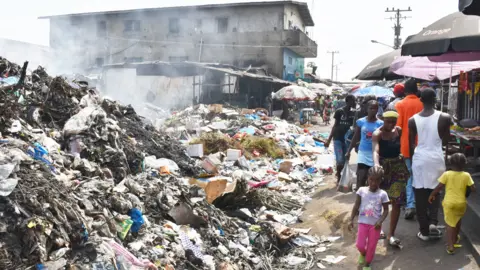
<point>215,108</point>
<point>195,150</point>
<point>286,167</point>
<point>233,154</point>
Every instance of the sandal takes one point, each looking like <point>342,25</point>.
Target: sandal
<point>450,251</point>
<point>393,241</point>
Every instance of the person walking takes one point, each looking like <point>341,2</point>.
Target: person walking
<point>368,205</point>
<point>428,164</point>
<point>406,108</point>
<point>399,92</point>
<point>457,183</point>
<point>386,153</point>
<point>344,118</point>
<point>268,103</point>
<point>364,133</point>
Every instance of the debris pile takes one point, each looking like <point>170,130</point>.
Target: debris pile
<point>87,183</point>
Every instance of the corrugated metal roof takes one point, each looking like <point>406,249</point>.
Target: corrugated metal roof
<point>211,66</point>
<point>302,8</point>
<point>239,73</point>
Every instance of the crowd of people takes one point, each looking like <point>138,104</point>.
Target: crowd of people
<point>400,163</point>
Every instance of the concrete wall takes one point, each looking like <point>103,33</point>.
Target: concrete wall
<point>248,29</point>
<point>19,52</point>
<point>292,18</point>
<point>293,63</point>
<point>124,85</point>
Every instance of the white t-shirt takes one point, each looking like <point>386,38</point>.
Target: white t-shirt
<point>372,204</point>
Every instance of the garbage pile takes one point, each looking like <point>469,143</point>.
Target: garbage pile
<point>87,183</point>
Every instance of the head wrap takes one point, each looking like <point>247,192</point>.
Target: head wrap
<point>391,114</point>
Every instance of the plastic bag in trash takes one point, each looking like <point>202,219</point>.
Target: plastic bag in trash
<point>137,219</point>
<point>349,177</point>
<point>154,163</point>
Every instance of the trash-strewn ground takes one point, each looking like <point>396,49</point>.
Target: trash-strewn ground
<point>87,183</point>
<point>328,212</point>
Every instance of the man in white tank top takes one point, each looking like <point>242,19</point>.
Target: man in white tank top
<point>428,164</point>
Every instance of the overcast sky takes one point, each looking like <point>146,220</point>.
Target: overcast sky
<point>343,25</point>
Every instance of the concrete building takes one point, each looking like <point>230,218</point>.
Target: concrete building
<point>272,35</point>
<point>19,52</point>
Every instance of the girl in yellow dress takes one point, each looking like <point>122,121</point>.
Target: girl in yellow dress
<point>456,183</point>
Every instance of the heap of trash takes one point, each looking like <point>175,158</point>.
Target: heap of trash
<point>87,183</point>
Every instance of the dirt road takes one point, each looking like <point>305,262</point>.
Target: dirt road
<point>328,213</point>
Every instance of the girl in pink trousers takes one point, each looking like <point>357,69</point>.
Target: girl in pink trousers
<point>368,206</point>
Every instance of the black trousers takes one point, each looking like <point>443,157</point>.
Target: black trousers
<point>427,213</point>
<point>362,175</point>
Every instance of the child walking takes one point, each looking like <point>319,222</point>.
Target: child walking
<point>368,206</point>
<point>457,184</point>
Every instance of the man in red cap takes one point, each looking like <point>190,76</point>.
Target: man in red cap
<point>399,92</point>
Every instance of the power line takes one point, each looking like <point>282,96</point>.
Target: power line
<point>397,27</point>
<point>333,61</point>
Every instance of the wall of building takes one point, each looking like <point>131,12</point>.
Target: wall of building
<point>125,85</point>
<point>247,30</point>
<point>19,52</point>
<point>294,65</point>
<point>292,18</point>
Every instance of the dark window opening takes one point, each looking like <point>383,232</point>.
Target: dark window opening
<point>177,58</point>
<point>99,62</point>
<point>133,59</point>
<point>222,25</point>
<point>173,26</point>
<point>290,60</point>
<point>101,29</point>
<point>132,26</point>
<point>198,24</point>
<point>76,20</point>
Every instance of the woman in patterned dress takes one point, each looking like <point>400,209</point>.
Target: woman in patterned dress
<point>386,153</point>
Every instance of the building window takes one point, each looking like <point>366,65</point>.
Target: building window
<point>222,25</point>
<point>99,62</point>
<point>198,25</point>
<point>173,26</point>
<point>290,60</point>
<point>101,28</point>
<point>76,20</point>
<point>133,59</point>
<point>290,24</point>
<point>178,58</point>
<point>132,26</point>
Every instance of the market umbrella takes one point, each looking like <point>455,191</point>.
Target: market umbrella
<point>469,7</point>
<point>456,57</point>
<point>294,92</point>
<point>423,68</point>
<point>377,69</point>
<point>376,90</point>
<point>456,32</point>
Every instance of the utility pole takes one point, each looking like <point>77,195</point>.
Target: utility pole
<point>397,27</point>
<point>333,61</point>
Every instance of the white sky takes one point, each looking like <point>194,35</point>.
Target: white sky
<point>343,25</point>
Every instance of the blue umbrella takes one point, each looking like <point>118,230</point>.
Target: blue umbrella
<point>376,90</point>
